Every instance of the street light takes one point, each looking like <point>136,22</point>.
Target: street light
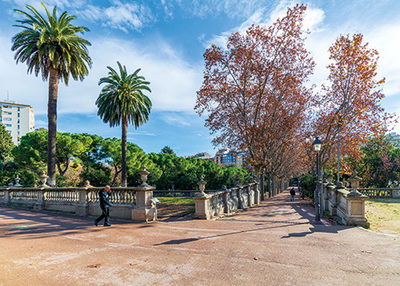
<point>317,147</point>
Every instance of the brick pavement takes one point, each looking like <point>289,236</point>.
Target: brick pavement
<point>275,243</point>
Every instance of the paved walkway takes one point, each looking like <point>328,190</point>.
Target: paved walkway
<point>275,243</point>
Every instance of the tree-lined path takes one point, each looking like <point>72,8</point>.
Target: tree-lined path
<point>275,243</point>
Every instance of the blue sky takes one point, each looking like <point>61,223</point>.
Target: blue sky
<point>167,39</point>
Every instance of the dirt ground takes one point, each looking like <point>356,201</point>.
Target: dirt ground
<point>384,215</point>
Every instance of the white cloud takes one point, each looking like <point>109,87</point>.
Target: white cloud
<point>175,119</point>
<point>173,81</point>
<point>144,133</point>
<point>312,21</point>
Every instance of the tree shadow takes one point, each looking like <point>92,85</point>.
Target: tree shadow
<point>41,224</point>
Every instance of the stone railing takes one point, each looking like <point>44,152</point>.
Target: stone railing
<point>132,203</point>
<point>348,206</point>
<point>226,201</point>
<point>381,193</point>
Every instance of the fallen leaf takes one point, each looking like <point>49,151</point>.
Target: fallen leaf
<point>255,258</point>
<point>94,266</point>
<point>33,263</point>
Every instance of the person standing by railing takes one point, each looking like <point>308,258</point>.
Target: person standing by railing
<point>105,206</point>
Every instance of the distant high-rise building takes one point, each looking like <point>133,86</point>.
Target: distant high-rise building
<point>225,157</point>
<point>219,155</point>
<point>17,118</point>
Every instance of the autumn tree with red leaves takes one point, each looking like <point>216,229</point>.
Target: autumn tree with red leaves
<point>351,103</point>
<point>254,93</point>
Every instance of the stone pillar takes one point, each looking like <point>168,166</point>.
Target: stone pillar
<point>144,210</point>
<point>396,193</point>
<point>82,207</point>
<point>40,204</point>
<point>356,204</point>
<point>225,197</point>
<point>256,194</point>
<point>7,197</point>
<point>202,202</point>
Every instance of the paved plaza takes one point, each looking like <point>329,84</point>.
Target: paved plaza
<point>275,243</point>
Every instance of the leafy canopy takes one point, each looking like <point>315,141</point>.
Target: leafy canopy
<point>122,97</point>
<point>51,42</point>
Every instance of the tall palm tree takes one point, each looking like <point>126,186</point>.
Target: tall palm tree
<point>121,101</point>
<point>51,47</point>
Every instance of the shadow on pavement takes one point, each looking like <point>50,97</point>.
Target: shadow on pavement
<point>32,224</point>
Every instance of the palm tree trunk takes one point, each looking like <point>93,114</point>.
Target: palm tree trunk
<point>52,126</point>
<point>123,150</point>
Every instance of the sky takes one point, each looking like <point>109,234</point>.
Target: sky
<point>167,40</point>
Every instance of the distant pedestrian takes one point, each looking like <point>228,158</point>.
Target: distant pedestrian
<point>105,206</point>
<point>292,194</point>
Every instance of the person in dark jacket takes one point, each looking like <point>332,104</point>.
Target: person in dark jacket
<point>105,206</point>
<point>292,194</point>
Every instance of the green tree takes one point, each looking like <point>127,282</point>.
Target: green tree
<point>51,47</point>
<point>69,146</point>
<point>6,144</point>
<point>167,150</point>
<point>135,158</point>
<point>121,101</point>
<point>97,174</point>
<point>32,152</point>
<point>380,162</point>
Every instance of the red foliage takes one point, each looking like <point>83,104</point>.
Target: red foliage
<point>254,95</point>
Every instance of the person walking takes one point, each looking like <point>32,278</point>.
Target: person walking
<point>292,194</point>
<point>105,206</point>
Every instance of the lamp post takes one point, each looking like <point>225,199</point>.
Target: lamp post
<point>338,148</point>
<point>317,147</point>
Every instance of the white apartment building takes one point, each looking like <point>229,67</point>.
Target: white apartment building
<point>17,118</point>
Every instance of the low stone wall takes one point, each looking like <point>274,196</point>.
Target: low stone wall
<point>81,201</point>
<point>226,201</point>
<point>381,193</point>
<point>348,206</point>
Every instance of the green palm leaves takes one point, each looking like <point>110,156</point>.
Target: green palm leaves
<point>51,47</point>
<point>121,101</point>
<point>123,98</point>
<point>51,42</point>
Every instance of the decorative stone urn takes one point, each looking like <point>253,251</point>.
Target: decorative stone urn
<point>143,210</point>
<point>202,202</point>
<point>17,179</point>
<point>202,186</point>
<point>43,179</point>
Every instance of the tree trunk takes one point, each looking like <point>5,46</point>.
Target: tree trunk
<point>123,151</point>
<point>52,126</point>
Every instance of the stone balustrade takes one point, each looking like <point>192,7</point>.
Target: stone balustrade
<point>348,206</point>
<point>226,201</point>
<point>132,203</point>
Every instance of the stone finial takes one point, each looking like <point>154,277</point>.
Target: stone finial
<point>224,188</point>
<point>43,179</point>
<point>143,175</point>
<point>202,186</point>
<point>340,186</point>
<point>329,177</point>
<point>17,179</point>
<point>87,184</point>
<point>354,181</point>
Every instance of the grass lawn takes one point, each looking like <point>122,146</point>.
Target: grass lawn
<point>383,215</point>
<point>176,200</point>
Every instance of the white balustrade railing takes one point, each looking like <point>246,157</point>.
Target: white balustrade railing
<point>227,201</point>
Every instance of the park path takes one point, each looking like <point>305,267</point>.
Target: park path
<point>275,243</point>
